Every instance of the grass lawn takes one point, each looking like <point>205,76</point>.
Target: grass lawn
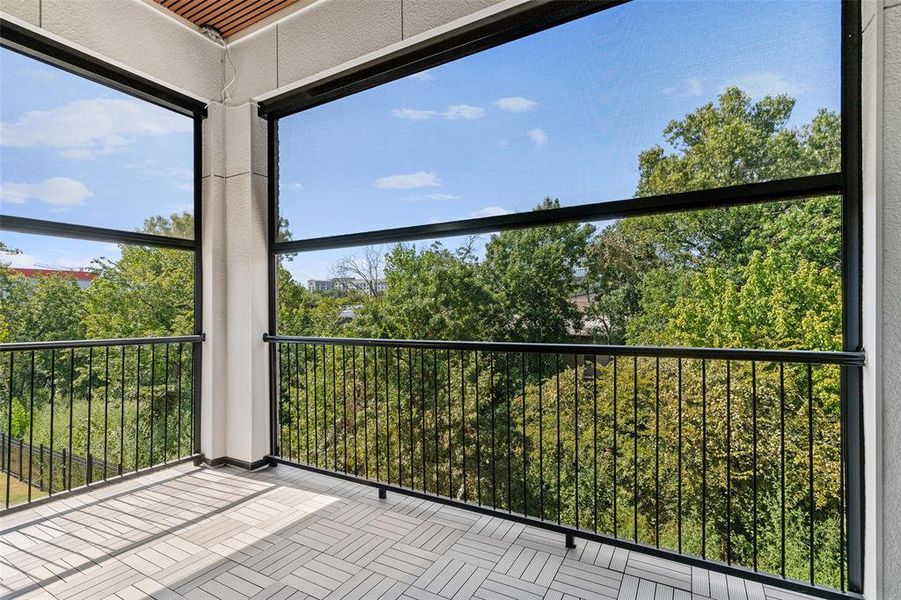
<point>18,491</point>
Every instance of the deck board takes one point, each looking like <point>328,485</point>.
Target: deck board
<point>188,533</point>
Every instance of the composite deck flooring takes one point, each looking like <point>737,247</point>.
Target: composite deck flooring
<point>284,533</point>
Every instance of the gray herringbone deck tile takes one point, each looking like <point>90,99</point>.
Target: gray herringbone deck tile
<point>513,586</point>
<point>586,581</point>
<point>660,570</point>
<point>321,575</point>
<point>288,534</point>
<point>403,563</point>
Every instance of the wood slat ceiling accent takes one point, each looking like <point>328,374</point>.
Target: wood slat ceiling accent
<point>227,16</point>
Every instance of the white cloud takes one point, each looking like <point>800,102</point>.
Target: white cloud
<point>61,192</point>
<point>490,211</point>
<point>408,181</point>
<point>516,104</point>
<point>455,112</point>
<point>294,185</point>
<point>423,75</point>
<point>440,196</point>
<point>413,114</point>
<point>691,87</point>
<point>763,83</point>
<point>181,178</point>
<point>538,137</point>
<point>463,112</point>
<point>85,129</point>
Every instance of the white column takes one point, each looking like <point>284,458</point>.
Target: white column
<point>247,284</point>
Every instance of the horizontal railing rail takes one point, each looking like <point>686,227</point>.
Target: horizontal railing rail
<point>79,412</point>
<point>175,339</point>
<point>745,354</point>
<point>731,459</point>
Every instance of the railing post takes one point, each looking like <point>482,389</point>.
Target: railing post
<point>89,470</point>
<point>42,468</point>
<point>383,493</point>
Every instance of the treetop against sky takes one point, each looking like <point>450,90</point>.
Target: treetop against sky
<point>562,114</point>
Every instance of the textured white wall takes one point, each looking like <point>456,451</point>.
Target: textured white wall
<point>329,33</point>
<point>137,34</point>
<point>890,224</point>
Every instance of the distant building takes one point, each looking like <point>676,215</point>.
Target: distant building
<point>345,284</point>
<point>84,278</point>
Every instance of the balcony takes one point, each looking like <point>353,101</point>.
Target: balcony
<point>442,299</point>
<point>196,533</point>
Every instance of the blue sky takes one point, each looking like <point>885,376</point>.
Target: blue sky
<point>563,113</point>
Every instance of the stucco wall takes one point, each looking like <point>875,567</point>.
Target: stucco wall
<point>890,225</point>
<point>139,35</point>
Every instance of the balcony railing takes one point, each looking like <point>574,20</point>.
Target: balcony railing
<point>734,459</point>
<point>77,413</point>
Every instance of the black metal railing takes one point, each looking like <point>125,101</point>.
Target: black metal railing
<point>731,459</point>
<point>76,413</point>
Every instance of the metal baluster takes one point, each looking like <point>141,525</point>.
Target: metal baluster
<point>509,436</point>
<point>557,375</point>
<point>166,408</point>
<point>88,475</point>
<point>138,410</point>
<point>387,415</point>
<point>679,473</point>
<point>30,429</point>
<point>782,456</point>
<point>635,448</point>
<point>615,451</point>
<point>278,395</point>
<point>728,462</point>
<point>810,497</point>
<point>525,454</point>
<point>540,437</point>
<point>463,419</point>
<point>365,419</point>
<point>657,451</point>
<point>450,421</point>
<point>344,398</point>
<point>306,395</point>
<point>754,456</point>
<point>152,397</point>
<point>478,436</point>
<point>106,413</point>
<point>435,419</point>
<point>178,453</point>
<point>704,459</point>
<point>410,410</point>
<point>595,435</point>
<point>122,414</point>
<point>9,425</point>
<point>316,404</point>
<point>356,445</point>
<point>71,406</point>
<point>52,418</point>
<point>400,468</point>
<point>375,369</point>
<point>422,417</point>
<point>493,430</point>
<point>334,412</point>
<point>576,429</point>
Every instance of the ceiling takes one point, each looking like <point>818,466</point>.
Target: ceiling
<point>227,16</point>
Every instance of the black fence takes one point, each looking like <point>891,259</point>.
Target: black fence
<point>730,459</point>
<point>80,412</point>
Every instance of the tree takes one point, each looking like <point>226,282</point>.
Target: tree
<point>733,142</point>
<point>531,277</point>
<point>147,291</point>
<point>435,293</point>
